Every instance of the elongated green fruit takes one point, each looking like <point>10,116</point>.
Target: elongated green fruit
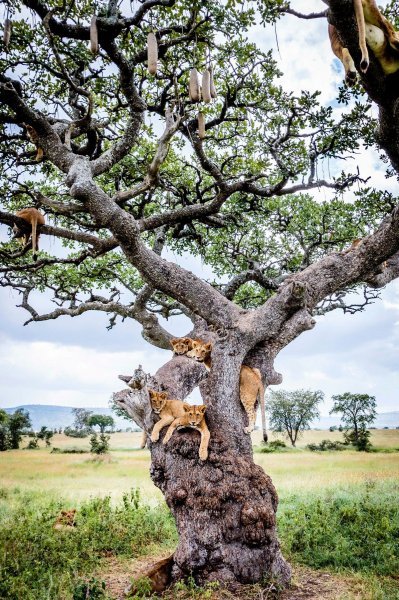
<point>206,86</point>
<point>152,53</point>
<point>7,32</point>
<point>93,35</point>
<point>194,88</point>
<point>212,84</point>
<point>201,125</point>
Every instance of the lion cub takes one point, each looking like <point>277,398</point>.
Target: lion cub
<point>167,409</point>
<point>181,345</point>
<point>251,385</point>
<point>193,417</point>
<point>66,519</point>
<point>201,351</point>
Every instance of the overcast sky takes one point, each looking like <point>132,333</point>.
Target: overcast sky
<point>75,362</point>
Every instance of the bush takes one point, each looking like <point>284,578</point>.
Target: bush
<point>69,451</point>
<point>273,446</point>
<point>276,444</point>
<point>326,445</point>
<point>361,441</point>
<point>33,444</point>
<point>76,433</point>
<point>99,445</point>
<point>93,589</point>
<point>355,528</point>
<point>38,562</point>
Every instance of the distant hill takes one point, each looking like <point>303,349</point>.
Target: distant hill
<point>61,416</point>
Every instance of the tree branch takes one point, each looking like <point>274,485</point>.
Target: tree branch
<point>151,179</point>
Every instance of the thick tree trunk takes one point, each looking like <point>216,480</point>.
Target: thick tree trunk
<point>225,511</point>
<point>224,507</point>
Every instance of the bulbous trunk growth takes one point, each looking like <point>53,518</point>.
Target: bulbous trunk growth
<point>225,506</point>
<point>225,511</point>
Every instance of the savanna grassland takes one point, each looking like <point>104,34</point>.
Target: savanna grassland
<point>338,520</point>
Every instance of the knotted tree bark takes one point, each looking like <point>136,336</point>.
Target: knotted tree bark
<point>224,507</point>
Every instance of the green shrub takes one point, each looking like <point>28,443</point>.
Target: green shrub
<point>76,433</point>
<point>360,440</point>
<point>325,446</point>
<point>38,562</point>
<point>277,444</point>
<point>99,445</point>
<point>33,444</point>
<point>356,529</point>
<point>69,451</point>
<point>274,446</point>
<point>93,589</point>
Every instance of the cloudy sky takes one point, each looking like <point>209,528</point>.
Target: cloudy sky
<point>75,362</point>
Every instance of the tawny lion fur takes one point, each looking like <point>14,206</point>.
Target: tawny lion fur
<point>167,409</point>
<point>376,32</point>
<point>193,417</point>
<point>251,386</point>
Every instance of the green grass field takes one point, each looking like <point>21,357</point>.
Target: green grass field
<point>78,477</point>
<point>338,512</point>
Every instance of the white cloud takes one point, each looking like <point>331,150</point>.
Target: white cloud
<point>357,353</point>
<point>53,373</point>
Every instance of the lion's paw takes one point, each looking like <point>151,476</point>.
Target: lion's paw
<point>203,454</point>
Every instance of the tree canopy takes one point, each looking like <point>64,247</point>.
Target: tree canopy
<point>102,421</point>
<point>12,427</point>
<point>358,411</point>
<point>293,412</point>
<point>240,200</point>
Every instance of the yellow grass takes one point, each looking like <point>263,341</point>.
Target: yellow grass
<point>76,476</point>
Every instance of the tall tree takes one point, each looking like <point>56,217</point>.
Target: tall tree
<point>293,412</point>
<point>358,411</point>
<point>102,421</point>
<point>45,434</point>
<point>81,418</point>
<point>4,420</point>
<point>18,421</point>
<point>118,192</point>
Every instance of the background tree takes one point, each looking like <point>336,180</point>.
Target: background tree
<point>358,411</point>
<point>81,419</point>
<point>17,423</point>
<point>4,419</point>
<point>293,412</point>
<point>118,192</point>
<point>45,434</point>
<point>102,421</point>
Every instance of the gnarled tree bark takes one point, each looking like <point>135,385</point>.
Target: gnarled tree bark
<point>224,507</point>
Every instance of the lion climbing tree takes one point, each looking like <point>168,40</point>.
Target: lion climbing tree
<point>105,131</point>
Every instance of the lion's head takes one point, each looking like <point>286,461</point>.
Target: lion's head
<point>158,400</point>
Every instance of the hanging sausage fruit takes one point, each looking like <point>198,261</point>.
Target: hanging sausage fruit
<point>93,35</point>
<point>206,86</point>
<point>152,53</point>
<point>201,125</point>
<point>194,86</point>
<point>7,33</point>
